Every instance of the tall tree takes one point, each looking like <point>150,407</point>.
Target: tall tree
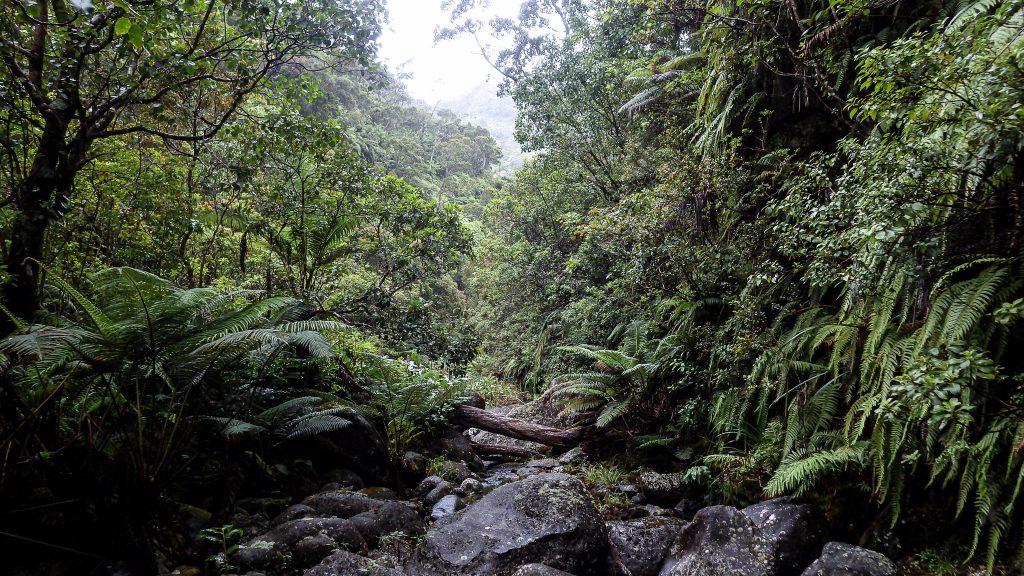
<point>76,73</point>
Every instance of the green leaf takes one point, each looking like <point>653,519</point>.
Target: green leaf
<point>123,25</point>
<point>135,36</point>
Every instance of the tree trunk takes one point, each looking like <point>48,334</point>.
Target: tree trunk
<point>520,429</point>
<point>39,199</point>
<point>501,450</point>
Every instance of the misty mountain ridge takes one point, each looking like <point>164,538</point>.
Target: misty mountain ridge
<point>482,106</point>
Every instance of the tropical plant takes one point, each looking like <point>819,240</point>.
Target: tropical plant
<point>123,378</point>
<point>411,399</point>
<point>624,384</point>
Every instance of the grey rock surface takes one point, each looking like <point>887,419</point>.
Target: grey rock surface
<point>791,530</point>
<point>341,503</point>
<point>446,507</point>
<point>838,559</point>
<point>342,531</point>
<point>442,489</point>
<point>548,518</point>
<point>391,518</point>
<point>344,563</point>
<point>638,547</point>
<point>661,489</point>
<point>721,541</point>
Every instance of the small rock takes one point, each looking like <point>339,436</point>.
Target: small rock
<point>454,472</point>
<point>628,489</point>
<point>652,510</point>
<point>294,513</point>
<point>196,518</point>
<point>428,484</point>
<point>268,507</point>
<point>475,400</point>
<point>544,464</point>
<point>471,486</point>
<point>340,562</point>
<point>312,549</point>
<point>257,554</point>
<point>342,531</point>
<point>539,570</point>
<point>661,489</point>
<point>187,571</point>
<point>441,490</point>
<point>639,546</point>
<point>686,508</point>
<point>341,503</point>
<point>838,559</point>
<point>575,456</point>
<point>415,463</point>
<point>455,446</point>
<point>446,507</point>
<point>390,518</point>
<point>379,493</point>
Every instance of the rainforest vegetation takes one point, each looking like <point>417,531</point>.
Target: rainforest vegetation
<point>774,246</point>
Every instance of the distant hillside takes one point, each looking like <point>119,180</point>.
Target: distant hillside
<point>483,107</point>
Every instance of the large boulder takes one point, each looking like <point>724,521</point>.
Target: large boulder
<point>638,547</point>
<point>838,559</point>
<point>312,549</point>
<point>549,518</point>
<point>790,530</point>
<point>721,541</point>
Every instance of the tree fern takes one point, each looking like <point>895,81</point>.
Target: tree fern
<point>798,473</point>
<point>317,423</point>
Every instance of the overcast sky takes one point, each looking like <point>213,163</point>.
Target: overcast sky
<point>441,72</point>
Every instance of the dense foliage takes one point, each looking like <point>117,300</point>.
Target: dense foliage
<point>227,232</point>
<point>774,246</point>
<point>779,242</point>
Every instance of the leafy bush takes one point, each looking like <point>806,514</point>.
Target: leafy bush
<point>119,386</point>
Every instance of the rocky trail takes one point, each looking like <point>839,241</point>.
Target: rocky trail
<point>512,516</point>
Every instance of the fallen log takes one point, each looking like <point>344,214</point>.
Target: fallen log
<point>482,449</point>
<point>520,429</point>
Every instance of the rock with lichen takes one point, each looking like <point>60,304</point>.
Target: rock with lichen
<point>721,541</point>
<point>838,559</point>
<point>548,518</point>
